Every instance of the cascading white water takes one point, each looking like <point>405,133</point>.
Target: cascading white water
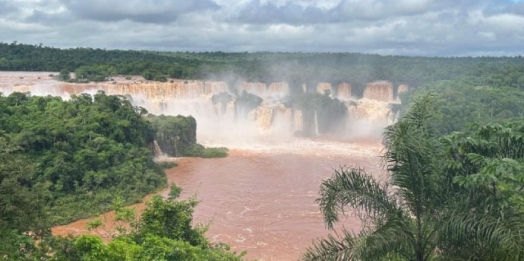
<point>222,122</point>
<point>157,150</point>
<point>316,123</point>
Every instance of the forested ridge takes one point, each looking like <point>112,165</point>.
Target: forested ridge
<point>295,68</point>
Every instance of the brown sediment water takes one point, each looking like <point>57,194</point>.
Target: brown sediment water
<point>262,200</point>
<point>79,227</point>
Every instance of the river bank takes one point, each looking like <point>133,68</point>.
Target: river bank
<point>262,200</point>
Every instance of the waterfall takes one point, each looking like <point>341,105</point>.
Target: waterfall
<point>324,88</point>
<point>223,120</point>
<point>380,91</point>
<point>157,150</point>
<point>316,123</point>
<point>298,125</point>
<point>344,91</point>
<point>264,117</point>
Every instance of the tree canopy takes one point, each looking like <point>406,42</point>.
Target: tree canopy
<point>163,232</point>
<point>296,68</point>
<point>448,198</point>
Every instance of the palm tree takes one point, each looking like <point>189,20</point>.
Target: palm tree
<point>421,213</point>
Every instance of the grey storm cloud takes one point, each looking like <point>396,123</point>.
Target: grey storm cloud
<point>259,13</point>
<point>7,7</point>
<point>46,18</point>
<point>515,8</point>
<point>412,27</point>
<point>289,12</point>
<point>154,11</point>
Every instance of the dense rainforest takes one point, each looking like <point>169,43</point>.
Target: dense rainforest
<point>462,102</point>
<point>295,68</point>
<point>74,156</point>
<point>62,160</point>
<point>78,154</point>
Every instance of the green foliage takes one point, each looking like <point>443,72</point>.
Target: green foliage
<point>95,73</point>
<point>490,156</point>
<point>460,103</point>
<point>16,246</point>
<point>331,114</point>
<point>195,150</point>
<point>64,75</point>
<point>220,152</point>
<point>245,103</point>
<point>163,232</point>
<point>171,219</point>
<point>167,164</point>
<point>198,150</point>
<point>451,198</point>
<point>174,192</point>
<point>21,198</point>
<point>295,68</point>
<point>176,135</point>
<point>76,154</point>
<point>160,78</point>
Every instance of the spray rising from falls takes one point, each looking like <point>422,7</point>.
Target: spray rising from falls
<point>250,110</point>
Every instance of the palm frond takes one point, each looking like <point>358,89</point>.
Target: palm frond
<point>481,235</point>
<point>332,248</point>
<point>395,236</point>
<point>414,164</point>
<point>353,188</point>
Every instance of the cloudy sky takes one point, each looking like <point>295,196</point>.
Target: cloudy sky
<point>410,27</point>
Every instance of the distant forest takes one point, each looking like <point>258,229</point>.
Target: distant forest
<point>295,68</point>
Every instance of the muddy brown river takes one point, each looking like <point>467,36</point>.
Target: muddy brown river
<point>262,199</point>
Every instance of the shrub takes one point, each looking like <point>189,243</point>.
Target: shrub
<point>215,152</point>
<point>167,164</point>
<point>196,150</point>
